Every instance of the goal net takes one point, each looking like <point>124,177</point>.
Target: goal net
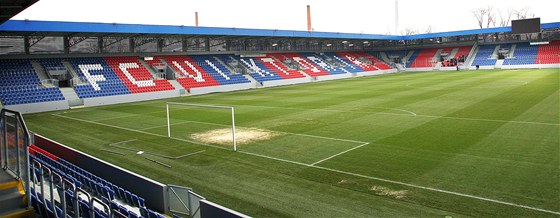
<point>212,125</point>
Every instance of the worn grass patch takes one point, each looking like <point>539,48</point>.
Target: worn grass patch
<point>242,136</point>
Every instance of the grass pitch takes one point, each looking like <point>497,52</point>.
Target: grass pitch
<point>469,143</point>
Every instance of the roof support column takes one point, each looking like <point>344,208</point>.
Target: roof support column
<point>228,44</point>
<point>185,44</point>
<point>207,44</point>
<point>66,42</point>
<point>160,45</point>
<point>100,47</point>
<point>26,44</point>
<point>131,45</point>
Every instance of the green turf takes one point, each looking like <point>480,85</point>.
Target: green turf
<point>417,144</point>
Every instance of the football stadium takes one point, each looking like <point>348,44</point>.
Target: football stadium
<point>105,119</point>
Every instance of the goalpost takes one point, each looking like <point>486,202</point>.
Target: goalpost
<point>203,106</point>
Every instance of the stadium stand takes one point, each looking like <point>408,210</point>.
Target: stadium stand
<point>376,61</point>
<point>358,60</point>
<point>189,74</point>
<point>155,61</point>
<point>256,69</point>
<point>423,58</point>
<point>524,54</point>
<point>102,80</point>
<point>463,51</point>
<point>457,58</point>
<point>52,64</point>
<point>346,64</point>
<point>484,56</point>
<point>549,54</point>
<point>280,68</point>
<point>19,84</point>
<point>82,189</point>
<point>318,61</point>
<point>135,76</point>
<point>306,65</point>
<point>396,56</point>
<point>218,71</point>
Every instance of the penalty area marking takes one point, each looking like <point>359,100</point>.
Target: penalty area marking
<point>334,170</point>
<point>333,156</point>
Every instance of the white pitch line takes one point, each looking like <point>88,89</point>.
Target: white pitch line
<point>323,137</point>
<point>334,170</point>
<point>491,120</point>
<point>274,158</point>
<point>406,111</point>
<point>289,133</point>
<point>416,115</point>
<point>328,158</point>
<point>441,191</point>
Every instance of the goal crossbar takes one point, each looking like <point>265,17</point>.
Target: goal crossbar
<point>208,106</point>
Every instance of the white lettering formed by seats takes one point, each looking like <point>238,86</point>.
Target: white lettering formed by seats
<point>320,63</point>
<point>256,68</point>
<point>306,65</point>
<point>271,61</point>
<point>142,83</point>
<point>217,69</point>
<point>344,62</point>
<point>356,61</point>
<point>197,78</point>
<point>92,79</point>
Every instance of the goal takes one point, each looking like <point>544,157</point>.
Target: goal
<point>191,121</point>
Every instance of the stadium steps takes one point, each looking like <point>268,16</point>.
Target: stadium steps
<point>384,57</point>
<point>472,55</point>
<point>163,61</point>
<point>72,97</point>
<point>452,53</point>
<point>70,69</point>
<point>407,57</point>
<point>495,53</point>
<point>178,86</point>
<point>12,198</point>
<point>222,63</point>
<point>512,51</point>
<point>148,67</point>
<point>499,64</point>
<point>253,80</point>
<point>39,70</point>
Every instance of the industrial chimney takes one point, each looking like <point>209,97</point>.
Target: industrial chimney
<point>308,18</point>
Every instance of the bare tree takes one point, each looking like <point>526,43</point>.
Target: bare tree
<point>505,17</point>
<point>490,17</point>
<point>428,29</point>
<point>524,13</point>
<point>480,15</point>
<point>409,31</point>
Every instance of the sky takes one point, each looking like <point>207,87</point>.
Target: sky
<point>345,16</point>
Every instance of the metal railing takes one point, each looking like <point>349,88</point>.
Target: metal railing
<point>14,144</point>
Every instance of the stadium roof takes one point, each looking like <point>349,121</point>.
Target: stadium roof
<point>56,28</point>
